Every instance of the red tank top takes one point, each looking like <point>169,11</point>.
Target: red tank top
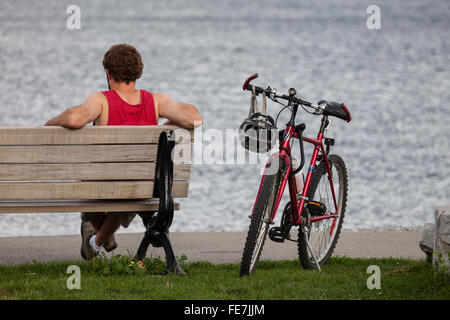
<point>121,113</point>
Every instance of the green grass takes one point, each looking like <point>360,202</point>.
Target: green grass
<point>341,278</point>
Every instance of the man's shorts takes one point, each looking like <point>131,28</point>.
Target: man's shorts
<point>125,217</point>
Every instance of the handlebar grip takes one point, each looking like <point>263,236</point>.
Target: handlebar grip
<point>336,109</point>
<point>246,83</point>
<point>347,112</point>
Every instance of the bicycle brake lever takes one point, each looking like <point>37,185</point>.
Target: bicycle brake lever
<point>273,93</point>
<point>318,108</point>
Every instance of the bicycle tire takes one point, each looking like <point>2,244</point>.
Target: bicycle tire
<point>319,174</point>
<point>259,224</point>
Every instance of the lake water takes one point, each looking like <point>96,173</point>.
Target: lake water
<point>395,81</point>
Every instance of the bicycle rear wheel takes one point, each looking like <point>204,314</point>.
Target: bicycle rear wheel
<point>262,213</point>
<point>323,235</point>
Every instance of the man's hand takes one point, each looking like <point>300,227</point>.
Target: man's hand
<point>181,114</point>
<point>79,116</point>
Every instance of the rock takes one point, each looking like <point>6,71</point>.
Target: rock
<point>441,249</point>
<point>427,241</point>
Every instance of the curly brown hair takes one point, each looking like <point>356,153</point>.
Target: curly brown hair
<point>123,62</point>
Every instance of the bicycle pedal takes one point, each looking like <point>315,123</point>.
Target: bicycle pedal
<point>276,234</point>
<point>316,208</point>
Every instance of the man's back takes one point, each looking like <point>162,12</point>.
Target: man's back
<point>137,108</point>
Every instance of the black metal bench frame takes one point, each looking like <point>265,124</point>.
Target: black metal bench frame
<point>157,224</point>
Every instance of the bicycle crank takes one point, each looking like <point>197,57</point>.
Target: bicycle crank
<point>281,233</point>
<point>276,234</point>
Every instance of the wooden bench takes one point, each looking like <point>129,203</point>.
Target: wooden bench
<point>44,169</point>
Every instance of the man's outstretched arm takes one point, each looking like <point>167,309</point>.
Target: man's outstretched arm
<point>79,116</point>
<point>181,114</point>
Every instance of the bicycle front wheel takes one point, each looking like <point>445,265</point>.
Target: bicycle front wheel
<point>323,235</point>
<point>260,220</point>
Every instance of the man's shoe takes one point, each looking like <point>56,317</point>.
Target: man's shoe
<point>110,244</point>
<point>87,231</point>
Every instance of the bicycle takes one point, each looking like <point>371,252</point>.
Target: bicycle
<point>318,209</point>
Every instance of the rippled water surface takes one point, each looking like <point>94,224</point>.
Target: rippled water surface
<point>395,80</point>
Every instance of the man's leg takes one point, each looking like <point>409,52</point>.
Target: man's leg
<point>91,223</point>
<point>87,232</point>
<point>97,220</point>
<point>109,225</point>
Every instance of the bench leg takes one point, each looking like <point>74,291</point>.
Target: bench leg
<point>142,250</point>
<point>159,239</point>
<point>172,263</point>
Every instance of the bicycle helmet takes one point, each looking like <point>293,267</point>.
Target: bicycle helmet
<point>258,132</point>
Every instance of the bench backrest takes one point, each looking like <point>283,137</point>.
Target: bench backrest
<point>51,163</point>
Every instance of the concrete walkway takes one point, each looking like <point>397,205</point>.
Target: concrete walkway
<point>218,247</point>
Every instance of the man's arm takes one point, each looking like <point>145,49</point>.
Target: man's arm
<point>77,117</point>
<point>181,114</point>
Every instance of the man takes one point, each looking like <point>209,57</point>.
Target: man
<point>123,104</point>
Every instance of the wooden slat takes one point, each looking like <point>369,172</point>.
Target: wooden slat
<point>87,153</point>
<point>85,190</point>
<point>87,171</point>
<point>87,135</point>
<point>78,154</point>
<point>80,206</point>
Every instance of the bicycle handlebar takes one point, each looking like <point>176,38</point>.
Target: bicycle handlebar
<point>273,94</point>
<point>339,110</point>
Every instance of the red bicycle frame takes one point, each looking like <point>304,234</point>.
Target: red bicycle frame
<point>288,178</point>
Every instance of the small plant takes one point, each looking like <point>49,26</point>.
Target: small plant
<point>125,265</point>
